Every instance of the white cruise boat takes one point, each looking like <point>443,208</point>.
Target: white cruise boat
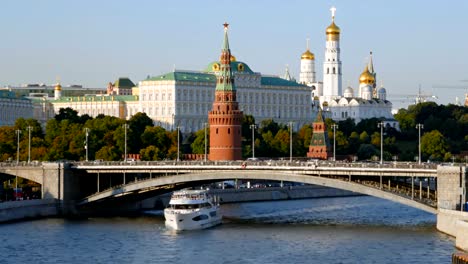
<point>192,209</point>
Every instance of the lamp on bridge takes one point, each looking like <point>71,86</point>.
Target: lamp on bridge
<point>381,126</point>
<point>125,149</point>
<point>253,127</point>
<point>18,132</point>
<point>178,142</point>
<point>206,143</point>
<point>334,126</point>
<point>29,128</point>
<point>86,142</point>
<point>290,124</point>
<point>419,127</point>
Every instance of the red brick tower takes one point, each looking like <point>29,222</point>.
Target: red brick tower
<point>319,147</point>
<point>225,118</point>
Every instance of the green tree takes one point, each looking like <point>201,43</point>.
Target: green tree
<point>353,142</point>
<point>110,153</point>
<point>302,141</point>
<point>67,114</point>
<point>375,139</point>
<point>434,145</point>
<point>151,153</point>
<point>137,125</point>
<point>366,151</point>
<point>364,137</point>
<point>7,143</point>
<point>198,144</point>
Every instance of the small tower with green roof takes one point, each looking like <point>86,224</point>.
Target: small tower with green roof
<point>225,118</point>
<point>319,147</point>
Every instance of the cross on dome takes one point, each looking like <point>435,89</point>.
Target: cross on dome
<point>333,10</point>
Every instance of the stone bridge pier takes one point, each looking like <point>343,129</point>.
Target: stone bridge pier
<point>452,218</point>
<point>56,179</point>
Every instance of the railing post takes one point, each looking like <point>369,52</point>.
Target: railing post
<point>428,187</point>
<point>98,182</point>
<point>412,187</point>
<point>389,185</point>
<point>420,189</point>
<point>380,181</point>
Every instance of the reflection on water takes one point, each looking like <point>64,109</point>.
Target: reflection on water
<point>332,230</point>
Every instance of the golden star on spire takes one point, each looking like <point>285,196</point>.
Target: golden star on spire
<point>226,25</point>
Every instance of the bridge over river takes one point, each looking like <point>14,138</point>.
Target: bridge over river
<point>427,186</point>
<point>81,187</point>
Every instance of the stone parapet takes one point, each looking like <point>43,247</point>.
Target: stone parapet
<point>28,209</point>
<point>454,223</point>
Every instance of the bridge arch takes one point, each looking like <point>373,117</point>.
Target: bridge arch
<point>254,175</point>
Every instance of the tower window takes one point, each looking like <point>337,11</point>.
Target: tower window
<point>333,70</point>
<point>229,131</point>
<point>216,131</point>
<point>328,70</point>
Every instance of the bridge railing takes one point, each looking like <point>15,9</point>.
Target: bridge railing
<point>21,164</point>
<point>278,163</point>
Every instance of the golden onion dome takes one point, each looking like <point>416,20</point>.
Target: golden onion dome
<point>333,32</point>
<point>325,103</point>
<point>333,29</point>
<point>307,55</point>
<point>233,58</point>
<point>58,87</point>
<point>366,77</point>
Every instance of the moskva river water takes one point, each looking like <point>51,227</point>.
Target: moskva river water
<point>331,230</point>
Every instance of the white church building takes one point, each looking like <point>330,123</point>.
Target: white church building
<point>367,102</point>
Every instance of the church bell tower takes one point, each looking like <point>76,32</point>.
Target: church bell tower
<point>332,64</point>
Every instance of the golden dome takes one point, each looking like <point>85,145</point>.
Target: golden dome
<point>58,87</point>
<point>233,58</point>
<point>366,77</point>
<point>333,32</point>
<point>307,55</point>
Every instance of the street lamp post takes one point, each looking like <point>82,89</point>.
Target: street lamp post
<point>381,126</point>
<point>178,142</point>
<point>29,128</point>
<point>290,140</point>
<point>253,127</point>
<point>419,127</point>
<point>125,148</point>
<point>172,125</point>
<point>86,146</point>
<point>18,132</point>
<point>206,143</point>
<point>334,126</point>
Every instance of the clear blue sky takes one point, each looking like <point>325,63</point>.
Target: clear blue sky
<point>93,42</point>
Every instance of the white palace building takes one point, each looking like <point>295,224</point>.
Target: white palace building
<point>183,98</point>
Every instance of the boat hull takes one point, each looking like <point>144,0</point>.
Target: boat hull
<point>191,219</point>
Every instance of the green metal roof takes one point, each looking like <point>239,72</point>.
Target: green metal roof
<point>244,68</point>
<point>185,76</point>
<point>277,81</point>
<point>8,94</point>
<point>124,82</point>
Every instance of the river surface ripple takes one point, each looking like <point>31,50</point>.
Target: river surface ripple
<point>330,230</point>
